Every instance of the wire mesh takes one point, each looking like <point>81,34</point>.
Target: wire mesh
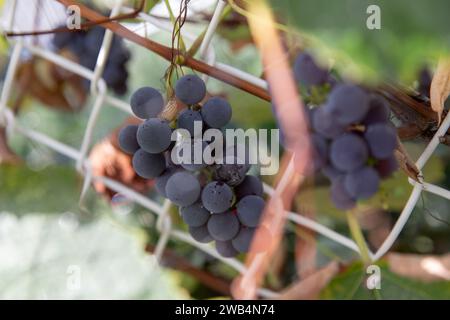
<point>99,91</point>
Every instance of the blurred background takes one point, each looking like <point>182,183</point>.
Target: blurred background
<point>53,247</point>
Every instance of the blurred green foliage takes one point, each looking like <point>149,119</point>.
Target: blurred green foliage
<point>351,284</point>
<point>57,257</point>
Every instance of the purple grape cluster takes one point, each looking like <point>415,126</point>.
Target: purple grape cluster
<point>86,46</point>
<point>219,202</point>
<point>352,138</point>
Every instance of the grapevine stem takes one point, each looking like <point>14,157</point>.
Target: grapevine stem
<point>358,236</point>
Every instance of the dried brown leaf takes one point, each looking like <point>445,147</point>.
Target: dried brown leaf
<point>421,267</point>
<point>306,245</point>
<point>440,86</point>
<point>40,79</point>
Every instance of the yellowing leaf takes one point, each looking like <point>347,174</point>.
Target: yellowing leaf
<point>440,86</point>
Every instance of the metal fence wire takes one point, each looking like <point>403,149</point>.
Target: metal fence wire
<point>99,92</point>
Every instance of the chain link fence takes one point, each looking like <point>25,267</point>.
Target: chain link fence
<point>99,92</point>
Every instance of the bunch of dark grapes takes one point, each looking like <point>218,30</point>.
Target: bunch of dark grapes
<point>352,138</point>
<point>85,45</point>
<point>219,202</point>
